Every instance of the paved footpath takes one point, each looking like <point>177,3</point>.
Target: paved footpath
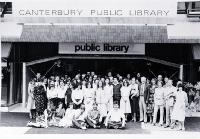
<point>15,123</point>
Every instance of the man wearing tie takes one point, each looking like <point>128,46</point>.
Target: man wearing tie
<point>143,97</point>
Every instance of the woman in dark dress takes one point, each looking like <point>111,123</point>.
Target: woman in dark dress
<point>150,104</point>
<point>68,94</point>
<point>40,99</point>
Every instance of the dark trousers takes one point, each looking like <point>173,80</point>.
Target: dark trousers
<point>78,123</point>
<point>115,125</point>
<point>90,123</point>
<point>117,98</point>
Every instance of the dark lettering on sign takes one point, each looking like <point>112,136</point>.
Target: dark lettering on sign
<point>106,47</point>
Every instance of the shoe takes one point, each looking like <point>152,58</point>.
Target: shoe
<point>84,128</point>
<point>160,125</point>
<point>141,120</point>
<point>166,126</point>
<point>154,124</point>
<point>183,129</point>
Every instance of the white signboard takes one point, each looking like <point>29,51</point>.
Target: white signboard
<point>103,48</point>
<point>95,8</point>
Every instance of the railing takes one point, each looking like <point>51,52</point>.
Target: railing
<point>193,13</point>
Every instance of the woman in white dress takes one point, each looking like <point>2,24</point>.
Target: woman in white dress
<point>101,99</point>
<point>89,94</point>
<point>31,101</point>
<point>178,113</point>
<point>125,102</point>
<point>109,94</point>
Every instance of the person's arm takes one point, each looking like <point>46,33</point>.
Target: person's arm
<point>107,118</point>
<point>73,97</point>
<point>186,100</point>
<point>48,93</point>
<point>29,91</point>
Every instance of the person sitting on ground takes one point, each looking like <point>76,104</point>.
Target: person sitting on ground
<point>93,117</point>
<point>79,118</point>
<point>66,121</point>
<point>115,118</point>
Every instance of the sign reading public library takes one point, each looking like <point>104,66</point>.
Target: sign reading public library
<point>103,48</point>
<point>95,8</point>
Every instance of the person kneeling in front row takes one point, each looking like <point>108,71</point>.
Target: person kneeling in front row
<point>79,118</point>
<point>115,118</point>
<point>93,117</point>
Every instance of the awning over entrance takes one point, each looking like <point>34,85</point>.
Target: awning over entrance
<point>109,34</point>
<point>184,31</point>
<point>196,52</point>
<point>5,49</point>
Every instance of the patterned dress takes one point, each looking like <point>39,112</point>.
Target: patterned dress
<point>150,104</point>
<point>40,99</point>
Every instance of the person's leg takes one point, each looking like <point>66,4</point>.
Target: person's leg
<point>167,115</point>
<point>77,124</point>
<point>182,125</point>
<point>141,110</point>
<point>145,111</point>
<point>155,114</point>
<point>170,113</point>
<point>161,114</point>
<point>90,123</point>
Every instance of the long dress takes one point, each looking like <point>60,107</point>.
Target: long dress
<point>40,99</point>
<point>31,100</point>
<point>179,109</point>
<point>150,104</point>
<point>101,101</point>
<point>88,98</point>
<point>109,96</point>
<point>125,102</point>
<point>134,100</point>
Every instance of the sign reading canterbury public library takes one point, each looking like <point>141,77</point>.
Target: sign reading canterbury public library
<point>95,8</point>
<point>102,48</point>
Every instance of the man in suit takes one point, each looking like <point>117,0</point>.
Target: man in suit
<point>143,97</point>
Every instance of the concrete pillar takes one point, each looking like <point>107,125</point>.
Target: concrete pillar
<point>24,84</point>
<point>11,84</point>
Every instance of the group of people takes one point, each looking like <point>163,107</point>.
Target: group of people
<point>89,100</point>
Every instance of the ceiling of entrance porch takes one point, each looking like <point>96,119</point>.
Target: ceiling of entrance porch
<point>96,33</point>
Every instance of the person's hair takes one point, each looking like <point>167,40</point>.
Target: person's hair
<point>125,81</point>
<point>115,103</point>
<point>90,84</point>
<point>181,85</point>
<point>102,84</point>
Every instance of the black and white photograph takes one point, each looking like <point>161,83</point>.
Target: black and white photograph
<point>100,67</point>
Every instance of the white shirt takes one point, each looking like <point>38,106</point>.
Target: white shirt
<point>116,116</point>
<point>168,91</point>
<point>159,96</point>
<point>125,92</point>
<point>61,92</point>
<point>51,93</point>
<point>77,94</point>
